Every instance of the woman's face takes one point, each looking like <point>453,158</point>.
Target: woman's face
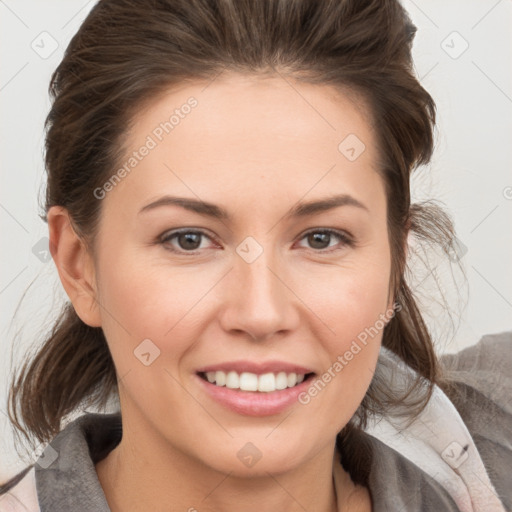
<point>259,291</point>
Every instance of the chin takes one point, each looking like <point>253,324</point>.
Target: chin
<point>246,458</point>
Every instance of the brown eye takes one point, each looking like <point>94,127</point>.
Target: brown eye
<point>189,241</point>
<point>185,240</point>
<point>318,240</point>
<point>321,239</point>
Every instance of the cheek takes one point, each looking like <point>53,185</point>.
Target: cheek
<point>355,308</point>
<point>334,396</point>
<point>352,298</point>
<point>146,301</point>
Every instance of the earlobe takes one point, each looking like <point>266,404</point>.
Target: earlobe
<point>74,265</point>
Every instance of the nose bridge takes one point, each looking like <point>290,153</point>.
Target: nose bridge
<point>262,303</point>
<point>256,269</point>
<point>259,278</point>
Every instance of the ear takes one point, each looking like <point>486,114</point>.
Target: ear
<point>74,265</point>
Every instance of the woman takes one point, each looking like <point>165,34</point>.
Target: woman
<point>280,361</point>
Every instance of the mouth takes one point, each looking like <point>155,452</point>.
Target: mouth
<point>262,383</point>
<point>255,388</point>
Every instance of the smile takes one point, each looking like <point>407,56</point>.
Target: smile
<point>247,381</point>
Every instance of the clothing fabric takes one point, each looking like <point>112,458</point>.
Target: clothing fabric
<point>439,443</point>
<point>456,457</point>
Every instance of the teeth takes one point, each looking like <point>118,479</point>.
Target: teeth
<point>281,380</point>
<point>292,379</point>
<point>232,380</point>
<point>220,380</point>
<point>247,381</point>
<point>266,382</point>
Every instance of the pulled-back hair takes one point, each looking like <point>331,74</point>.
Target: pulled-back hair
<point>127,53</point>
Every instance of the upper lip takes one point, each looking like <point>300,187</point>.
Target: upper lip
<point>258,368</point>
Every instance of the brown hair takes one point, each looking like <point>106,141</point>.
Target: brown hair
<point>126,53</point>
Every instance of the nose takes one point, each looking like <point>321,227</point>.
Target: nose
<point>261,302</point>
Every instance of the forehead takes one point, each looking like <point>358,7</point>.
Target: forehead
<point>243,134</point>
<point>245,109</point>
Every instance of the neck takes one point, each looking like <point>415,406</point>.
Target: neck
<point>144,472</point>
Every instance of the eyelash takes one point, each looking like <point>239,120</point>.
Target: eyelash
<point>346,240</point>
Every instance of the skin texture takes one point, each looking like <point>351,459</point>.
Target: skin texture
<point>255,147</point>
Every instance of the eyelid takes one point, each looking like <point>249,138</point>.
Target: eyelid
<point>165,237</point>
<point>346,238</point>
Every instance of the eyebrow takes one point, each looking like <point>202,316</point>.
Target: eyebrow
<point>301,209</point>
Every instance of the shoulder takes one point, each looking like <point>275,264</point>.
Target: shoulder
<point>22,496</point>
<point>481,376</point>
<point>482,372</point>
<point>64,476</point>
<point>397,483</point>
<point>493,352</point>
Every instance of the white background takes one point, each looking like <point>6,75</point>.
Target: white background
<point>470,171</point>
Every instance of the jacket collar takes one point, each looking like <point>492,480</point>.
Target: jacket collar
<point>70,482</point>
<point>437,441</point>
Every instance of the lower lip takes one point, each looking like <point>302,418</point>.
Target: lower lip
<point>255,403</point>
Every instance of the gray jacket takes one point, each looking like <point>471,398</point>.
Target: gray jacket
<point>482,374</point>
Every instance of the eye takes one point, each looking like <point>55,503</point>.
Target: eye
<point>188,240</point>
<point>320,239</point>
